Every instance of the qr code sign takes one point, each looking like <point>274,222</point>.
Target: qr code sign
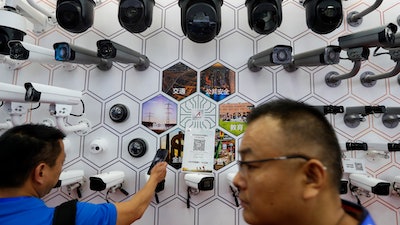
<point>199,145</point>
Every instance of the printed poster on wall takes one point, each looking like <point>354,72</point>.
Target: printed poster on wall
<point>198,150</point>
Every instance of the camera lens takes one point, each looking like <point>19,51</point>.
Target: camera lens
<point>106,49</point>
<point>17,51</point>
<point>75,16</point>
<point>265,17</point>
<point>131,11</point>
<point>63,52</point>
<point>68,13</point>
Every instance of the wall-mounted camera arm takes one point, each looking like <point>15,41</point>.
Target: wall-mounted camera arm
<point>277,55</point>
<point>12,63</point>
<point>328,55</point>
<point>107,49</point>
<point>13,98</point>
<point>41,19</point>
<point>369,80</point>
<point>391,117</point>
<point>355,18</point>
<point>66,52</point>
<point>355,115</point>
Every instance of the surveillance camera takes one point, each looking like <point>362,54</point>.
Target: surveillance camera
<point>12,93</point>
<point>135,15</point>
<point>66,52</point>
<point>277,55</point>
<point>355,115</point>
<point>264,16</point>
<point>323,56</point>
<point>396,185</point>
<point>12,27</point>
<point>75,16</point>
<point>368,183</point>
<point>383,36</point>
<point>70,177</point>
<point>201,19</point>
<point>323,16</point>
<point>107,180</point>
<point>36,92</point>
<point>20,50</point>
<point>199,181</point>
<point>107,49</point>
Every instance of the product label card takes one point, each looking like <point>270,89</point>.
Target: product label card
<point>351,165</point>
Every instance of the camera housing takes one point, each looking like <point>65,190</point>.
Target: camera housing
<point>277,55</point>
<point>328,55</point>
<point>36,92</point>
<point>383,36</point>
<point>75,16</point>
<point>70,177</point>
<point>108,49</point>
<point>66,52</point>
<point>323,16</point>
<point>135,15</point>
<point>369,184</point>
<point>12,93</point>
<point>106,180</point>
<point>12,27</point>
<point>264,16</point>
<point>199,181</point>
<point>200,19</point>
<point>20,50</point>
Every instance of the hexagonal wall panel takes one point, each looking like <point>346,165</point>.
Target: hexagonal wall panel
<point>295,85</point>
<point>208,217</point>
<point>106,18</point>
<point>100,147</point>
<point>233,115</point>
<point>225,148</point>
<point>142,84</point>
<point>162,49</point>
<point>159,114</point>
<point>197,111</point>
<point>228,49</point>
<point>262,83</point>
<point>132,118</point>
<point>173,141</point>
<point>105,84</point>
<point>217,82</point>
<point>199,55</point>
<point>179,81</point>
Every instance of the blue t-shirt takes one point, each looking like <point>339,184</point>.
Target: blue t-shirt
<point>358,212</point>
<point>33,211</point>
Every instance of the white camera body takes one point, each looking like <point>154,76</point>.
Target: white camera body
<point>106,180</point>
<point>70,177</point>
<point>370,184</point>
<point>12,93</point>
<point>34,53</point>
<point>36,92</point>
<point>200,181</point>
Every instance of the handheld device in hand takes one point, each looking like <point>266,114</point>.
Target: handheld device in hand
<point>160,156</point>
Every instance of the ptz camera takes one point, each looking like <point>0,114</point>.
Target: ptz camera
<point>135,15</point>
<point>12,27</point>
<point>323,16</point>
<point>264,16</point>
<point>75,16</point>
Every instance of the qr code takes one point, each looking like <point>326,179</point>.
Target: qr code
<point>359,166</point>
<point>199,145</point>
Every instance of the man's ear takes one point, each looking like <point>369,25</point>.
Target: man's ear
<point>39,173</point>
<point>316,178</point>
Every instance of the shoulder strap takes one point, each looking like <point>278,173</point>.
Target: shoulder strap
<point>65,213</point>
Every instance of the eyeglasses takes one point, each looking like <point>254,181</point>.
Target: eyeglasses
<point>245,166</point>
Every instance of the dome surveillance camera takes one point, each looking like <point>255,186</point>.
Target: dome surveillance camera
<point>135,15</point>
<point>264,15</point>
<point>75,16</point>
<point>323,16</point>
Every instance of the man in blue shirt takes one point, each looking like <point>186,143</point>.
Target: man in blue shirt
<point>31,160</point>
<point>291,168</point>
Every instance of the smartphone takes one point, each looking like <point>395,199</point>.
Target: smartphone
<point>160,156</point>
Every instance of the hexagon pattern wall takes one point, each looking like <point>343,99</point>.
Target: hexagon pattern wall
<point>181,80</point>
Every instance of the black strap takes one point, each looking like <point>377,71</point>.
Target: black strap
<point>65,213</point>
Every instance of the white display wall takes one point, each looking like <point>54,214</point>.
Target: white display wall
<point>166,46</point>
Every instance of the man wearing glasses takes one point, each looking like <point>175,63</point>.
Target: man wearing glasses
<point>291,168</point>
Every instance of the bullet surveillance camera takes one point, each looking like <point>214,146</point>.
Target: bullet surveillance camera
<point>264,16</point>
<point>108,49</point>
<point>36,92</point>
<point>200,19</point>
<point>323,16</point>
<point>355,115</point>
<point>383,36</point>
<point>328,55</point>
<point>12,27</point>
<point>66,52</point>
<point>75,16</point>
<point>199,181</point>
<point>368,183</point>
<point>20,50</point>
<point>107,180</point>
<point>12,93</point>
<point>70,177</point>
<point>277,55</point>
<point>135,15</point>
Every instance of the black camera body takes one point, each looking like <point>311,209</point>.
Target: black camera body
<point>75,16</point>
<point>135,15</point>
<point>323,16</point>
<point>264,16</point>
<point>200,19</point>
<point>7,34</point>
